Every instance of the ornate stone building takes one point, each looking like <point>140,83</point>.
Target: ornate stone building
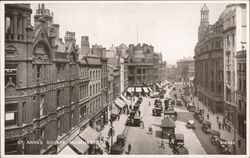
<point>209,62</point>
<point>51,95</point>
<point>234,35</point>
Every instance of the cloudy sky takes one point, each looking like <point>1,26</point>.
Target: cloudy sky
<point>171,27</point>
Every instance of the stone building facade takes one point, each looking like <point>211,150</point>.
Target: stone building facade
<point>185,70</point>
<point>234,36</point>
<point>53,89</point>
<point>208,84</point>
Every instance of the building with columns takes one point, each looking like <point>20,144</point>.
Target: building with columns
<point>209,79</point>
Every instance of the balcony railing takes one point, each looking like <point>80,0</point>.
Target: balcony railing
<point>16,37</point>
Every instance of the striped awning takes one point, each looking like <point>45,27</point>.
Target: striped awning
<point>67,151</point>
<point>125,99</point>
<point>158,84</point>
<point>138,89</point>
<point>119,103</point>
<point>149,89</point>
<point>89,134</point>
<point>79,145</point>
<point>145,89</point>
<point>130,89</point>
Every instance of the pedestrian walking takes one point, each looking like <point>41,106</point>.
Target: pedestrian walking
<point>239,142</point>
<point>149,103</point>
<point>217,118</point>
<point>208,116</point>
<point>118,117</point>
<point>162,144</point>
<point>219,123</point>
<point>107,146</point>
<point>139,112</point>
<point>129,148</point>
<point>142,124</point>
<point>223,126</point>
<point>213,112</point>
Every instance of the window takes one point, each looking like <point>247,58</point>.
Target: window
<point>58,98</point>
<point>244,67</point>
<point>72,119</point>
<point>90,90</point>
<point>97,87</point>
<point>239,66</point>
<point>59,127</point>
<point>233,39</point>
<point>42,104</point>
<point>11,117</point>
<point>72,94</point>
<point>38,71</point>
<point>138,71</point>
<point>11,74</point>
<point>23,111</point>
<point>228,40</point>
<point>7,25</point>
<point>239,86</point>
<point>83,112</point>
<point>90,74</point>
<point>244,85</point>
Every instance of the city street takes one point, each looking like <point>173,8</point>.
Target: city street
<point>144,143</point>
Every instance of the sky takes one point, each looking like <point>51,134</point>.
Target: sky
<point>172,28</point>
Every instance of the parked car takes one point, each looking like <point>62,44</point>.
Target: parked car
<point>180,151</point>
<point>154,95</point>
<point>214,136</point>
<point>157,111</point>
<point>206,127</point>
<point>190,107</point>
<point>178,102</point>
<point>116,149</point>
<point>190,124</point>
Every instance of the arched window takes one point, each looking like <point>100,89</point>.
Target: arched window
<point>9,24</point>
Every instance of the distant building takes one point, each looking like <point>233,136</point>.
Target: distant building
<point>146,69</point>
<point>185,70</point>
<point>171,73</point>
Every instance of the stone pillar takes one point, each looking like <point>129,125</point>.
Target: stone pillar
<point>15,26</point>
<point>25,18</point>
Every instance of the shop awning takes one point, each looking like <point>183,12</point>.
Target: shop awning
<point>79,145</point>
<point>67,151</point>
<point>150,89</point>
<point>157,84</point>
<point>118,102</point>
<point>130,89</point>
<point>138,89</point>
<point>145,89</point>
<point>115,111</point>
<point>125,100</point>
<point>89,134</point>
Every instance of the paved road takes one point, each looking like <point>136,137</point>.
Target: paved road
<point>141,141</point>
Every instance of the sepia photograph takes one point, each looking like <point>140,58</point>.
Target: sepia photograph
<point>144,78</point>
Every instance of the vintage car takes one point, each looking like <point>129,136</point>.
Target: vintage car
<point>170,113</point>
<point>178,102</point>
<point>206,126</point>
<point>177,142</point>
<point>158,102</point>
<point>200,118</point>
<point>196,114</point>
<point>116,149</point>
<point>190,124</point>
<point>121,139</point>
<point>157,111</point>
<point>222,146</point>
<point>180,151</point>
<point>214,136</point>
<point>190,107</point>
<point>136,121</point>
<point>154,95</point>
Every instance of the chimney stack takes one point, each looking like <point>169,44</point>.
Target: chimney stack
<point>84,46</point>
